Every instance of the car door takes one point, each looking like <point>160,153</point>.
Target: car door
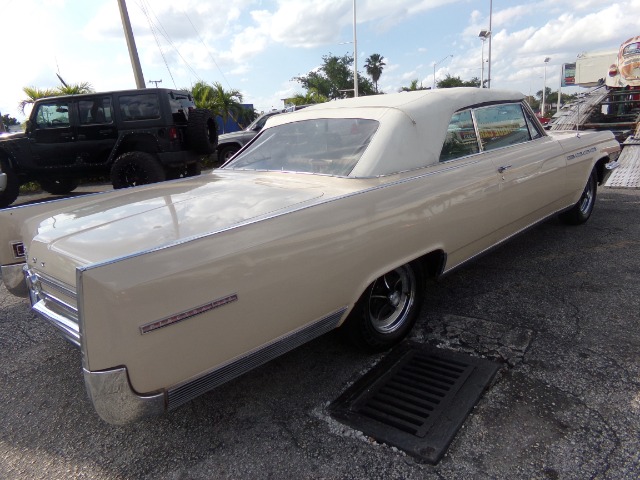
<point>96,131</point>
<point>529,165</point>
<point>52,134</point>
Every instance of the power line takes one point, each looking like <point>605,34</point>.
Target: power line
<point>207,49</point>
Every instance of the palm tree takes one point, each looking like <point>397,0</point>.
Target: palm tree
<point>228,102</point>
<point>312,96</point>
<point>374,66</point>
<point>34,93</point>
<point>413,86</point>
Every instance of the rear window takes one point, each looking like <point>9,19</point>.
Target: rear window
<point>328,146</point>
<point>139,107</point>
<point>180,104</point>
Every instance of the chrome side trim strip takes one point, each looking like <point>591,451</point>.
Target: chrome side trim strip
<point>181,394</point>
<point>114,399</point>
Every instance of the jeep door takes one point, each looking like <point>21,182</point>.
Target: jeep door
<point>52,134</point>
<point>96,130</point>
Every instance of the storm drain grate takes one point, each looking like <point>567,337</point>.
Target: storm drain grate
<point>416,398</point>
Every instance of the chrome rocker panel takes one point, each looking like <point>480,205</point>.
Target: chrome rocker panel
<point>117,403</point>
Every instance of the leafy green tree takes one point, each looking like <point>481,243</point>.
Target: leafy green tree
<point>413,86</point>
<point>8,121</point>
<point>312,96</point>
<point>450,82</point>
<point>334,79</point>
<point>374,66</point>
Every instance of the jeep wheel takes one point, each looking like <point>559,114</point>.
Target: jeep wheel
<point>11,192</point>
<point>58,186</point>
<point>202,132</point>
<point>136,168</point>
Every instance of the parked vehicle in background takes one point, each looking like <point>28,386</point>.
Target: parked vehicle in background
<point>333,216</point>
<point>134,136</point>
<point>230,143</point>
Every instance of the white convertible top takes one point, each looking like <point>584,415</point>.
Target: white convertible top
<point>412,124</point>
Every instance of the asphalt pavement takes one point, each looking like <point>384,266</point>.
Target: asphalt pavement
<point>558,307</point>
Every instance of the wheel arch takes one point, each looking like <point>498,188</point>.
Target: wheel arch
<point>600,169</point>
<point>142,142</point>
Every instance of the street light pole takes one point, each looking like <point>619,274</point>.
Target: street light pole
<point>355,53</point>
<point>484,34</point>
<point>490,36</point>
<point>544,87</point>
<point>434,69</point>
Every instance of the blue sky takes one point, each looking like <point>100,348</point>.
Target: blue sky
<point>258,46</point>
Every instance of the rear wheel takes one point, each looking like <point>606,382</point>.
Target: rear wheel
<point>581,211</point>
<point>12,190</point>
<point>388,309</point>
<point>136,168</point>
<point>202,132</point>
<point>58,186</point>
<point>227,152</point>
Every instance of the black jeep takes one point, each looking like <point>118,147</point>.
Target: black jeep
<point>134,136</point>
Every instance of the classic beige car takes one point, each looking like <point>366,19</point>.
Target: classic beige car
<point>331,217</point>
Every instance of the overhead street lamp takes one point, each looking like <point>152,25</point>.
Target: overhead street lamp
<point>434,69</point>
<point>544,87</point>
<point>484,34</point>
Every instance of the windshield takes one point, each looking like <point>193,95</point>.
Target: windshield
<point>330,146</point>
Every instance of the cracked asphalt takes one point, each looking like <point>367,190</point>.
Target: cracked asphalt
<point>558,307</point>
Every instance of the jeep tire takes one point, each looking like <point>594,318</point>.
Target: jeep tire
<point>202,132</point>
<point>9,195</point>
<point>136,168</point>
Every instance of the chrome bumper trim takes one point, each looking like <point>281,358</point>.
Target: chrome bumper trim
<point>3,181</point>
<point>114,399</point>
<point>48,302</point>
<point>13,278</point>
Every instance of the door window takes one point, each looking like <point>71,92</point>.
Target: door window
<point>52,115</point>
<point>501,125</point>
<point>461,139</point>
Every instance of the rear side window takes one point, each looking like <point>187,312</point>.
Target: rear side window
<point>461,139</point>
<point>95,111</point>
<point>501,125</point>
<point>139,107</point>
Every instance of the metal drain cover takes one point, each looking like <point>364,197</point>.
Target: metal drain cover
<point>416,398</point>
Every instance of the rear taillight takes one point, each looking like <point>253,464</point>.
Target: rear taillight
<point>613,70</point>
<point>173,133</point>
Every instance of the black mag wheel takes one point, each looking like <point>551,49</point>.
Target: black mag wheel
<point>136,168</point>
<point>581,211</point>
<point>12,190</point>
<point>388,309</point>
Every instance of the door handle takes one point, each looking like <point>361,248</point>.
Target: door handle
<point>504,168</point>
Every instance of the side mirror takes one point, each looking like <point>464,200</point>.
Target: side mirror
<point>29,127</point>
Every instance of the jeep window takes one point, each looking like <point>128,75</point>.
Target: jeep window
<point>52,115</point>
<point>95,111</point>
<point>139,107</point>
<point>180,105</point>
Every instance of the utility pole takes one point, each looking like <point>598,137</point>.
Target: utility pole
<point>490,37</point>
<point>131,44</point>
